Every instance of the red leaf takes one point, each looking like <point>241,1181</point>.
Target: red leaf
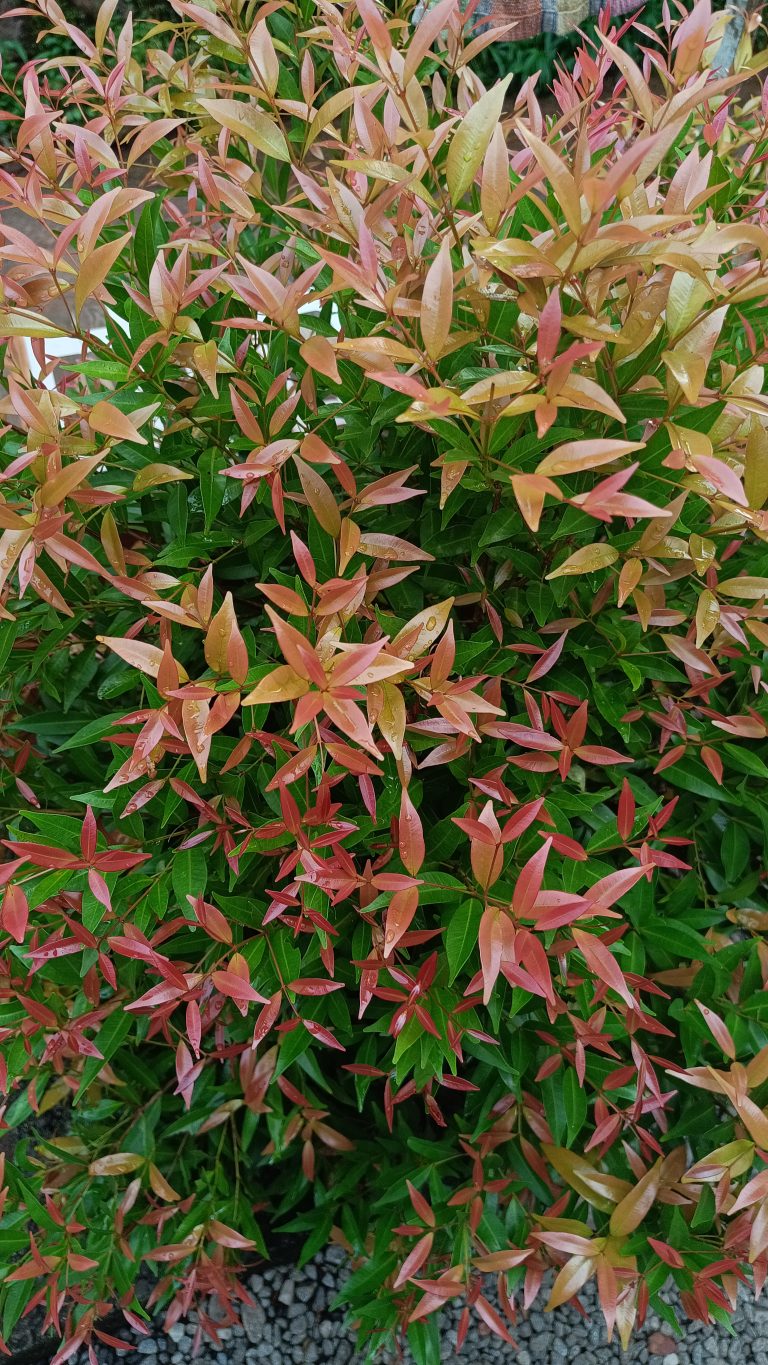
<point>548,659</point>
<point>626,817</point>
<point>602,964</point>
<point>529,881</point>
<point>88,836</point>
<point>420,1205</point>
<point>42,855</point>
<point>414,1260</point>
<point>266,1018</point>
<point>314,985</point>
<point>14,912</point>
<point>99,888</point>
<point>322,1034</point>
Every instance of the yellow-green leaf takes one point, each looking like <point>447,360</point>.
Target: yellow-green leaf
<point>466,152</point>
<point>577,455</point>
<point>707,616</point>
<point>117,1163</point>
<point>586,560</point>
<point>249,123</point>
<point>756,465</point>
<point>601,1190</point>
<point>16,323</point>
<point>750,589</point>
<point>422,630</point>
<point>153,474</point>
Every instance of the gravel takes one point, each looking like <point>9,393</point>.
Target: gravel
<point>291,1323</point>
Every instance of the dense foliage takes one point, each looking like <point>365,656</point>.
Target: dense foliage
<point>384,631</point>
<point>21,39</point>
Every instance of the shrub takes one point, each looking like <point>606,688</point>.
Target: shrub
<point>384,706</point>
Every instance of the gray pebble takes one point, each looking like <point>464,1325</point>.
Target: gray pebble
<point>289,1324</point>
<point>287,1292</point>
<point>253,1319</point>
<point>539,1346</point>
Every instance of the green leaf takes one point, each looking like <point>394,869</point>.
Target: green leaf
<point>286,955</point>
<point>8,633</point>
<point>150,234</point>
<point>90,733</point>
<point>672,938</point>
<point>575,1101</point>
<point>212,484</point>
<point>461,935</point>
<point>745,760</point>
<point>424,1341</point>
<point>189,875</point>
<point>735,849</point>
<point>109,1039</point>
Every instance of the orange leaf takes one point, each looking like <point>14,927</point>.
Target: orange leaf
<point>400,912</point>
<point>148,658</point>
<point>318,353</point>
<point>571,1279</point>
<point>56,489</point>
<point>110,421</point>
<point>437,302</point>
<point>194,716</point>
<point>410,835</point>
<point>719,1031</point>
<point>95,268</point>
<point>160,1185</point>
<point>637,1204</point>
<point>319,497</point>
<point>224,647</point>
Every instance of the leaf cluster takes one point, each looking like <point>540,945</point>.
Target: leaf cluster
<point>383,626</point>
